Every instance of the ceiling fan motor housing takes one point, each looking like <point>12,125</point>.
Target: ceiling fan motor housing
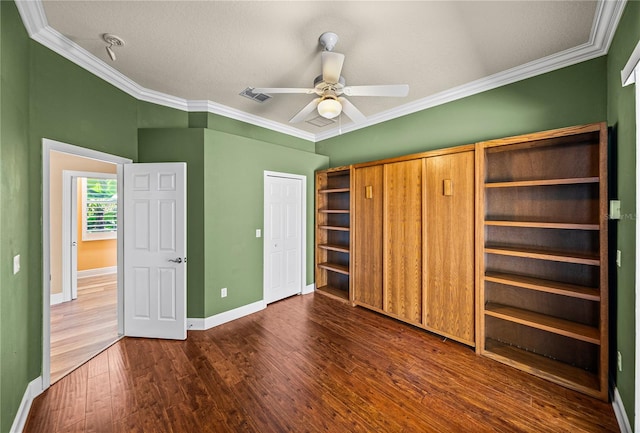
<point>328,40</point>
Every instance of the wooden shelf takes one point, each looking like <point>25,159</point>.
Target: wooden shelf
<point>557,288</point>
<point>338,228</point>
<point>339,211</point>
<point>333,190</point>
<point>534,253</point>
<point>552,324</point>
<point>333,232</point>
<point>542,182</point>
<point>334,292</point>
<point>334,247</point>
<point>542,225</point>
<point>542,254</point>
<point>341,269</point>
<point>559,372</point>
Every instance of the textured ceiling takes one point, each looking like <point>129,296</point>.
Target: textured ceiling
<point>212,50</point>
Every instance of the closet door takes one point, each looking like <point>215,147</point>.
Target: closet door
<point>402,243</point>
<point>449,246</point>
<point>367,232</point>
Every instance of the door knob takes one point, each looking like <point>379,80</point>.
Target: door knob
<point>178,260</point>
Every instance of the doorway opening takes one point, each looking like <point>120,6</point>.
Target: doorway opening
<point>84,317</point>
<point>76,317</point>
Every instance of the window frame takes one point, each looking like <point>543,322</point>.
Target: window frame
<point>87,235</point>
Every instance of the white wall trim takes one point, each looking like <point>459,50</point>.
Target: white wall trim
<point>57,298</point>
<point>309,289</point>
<point>227,316</point>
<point>621,414</point>
<point>34,389</point>
<point>97,271</point>
<point>605,22</point>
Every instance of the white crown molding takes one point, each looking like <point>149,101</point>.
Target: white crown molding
<point>605,22</point>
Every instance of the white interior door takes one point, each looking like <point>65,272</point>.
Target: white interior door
<point>155,250</point>
<point>283,237</point>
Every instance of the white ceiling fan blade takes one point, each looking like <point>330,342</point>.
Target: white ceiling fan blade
<point>351,111</point>
<point>308,109</point>
<point>283,90</point>
<point>384,90</point>
<point>331,66</point>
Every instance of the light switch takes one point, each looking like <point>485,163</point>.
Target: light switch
<point>258,233</point>
<point>16,264</point>
<point>619,258</point>
<point>614,209</point>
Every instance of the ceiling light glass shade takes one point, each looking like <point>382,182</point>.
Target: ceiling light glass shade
<point>329,108</point>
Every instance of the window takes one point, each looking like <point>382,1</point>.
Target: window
<point>99,209</point>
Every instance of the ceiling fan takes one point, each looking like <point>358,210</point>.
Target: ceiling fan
<point>330,86</point>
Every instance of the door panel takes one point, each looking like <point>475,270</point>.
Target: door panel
<point>403,240</point>
<point>449,245</point>
<point>367,251</point>
<point>155,250</point>
<point>283,201</point>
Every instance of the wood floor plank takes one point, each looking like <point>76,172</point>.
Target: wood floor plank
<point>73,398</point>
<point>309,364</point>
<point>98,413</point>
<point>85,326</point>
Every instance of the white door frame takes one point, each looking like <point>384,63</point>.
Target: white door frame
<point>630,75</point>
<point>303,228</point>
<point>47,147</point>
<point>69,212</point>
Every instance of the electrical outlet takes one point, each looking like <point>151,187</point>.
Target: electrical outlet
<point>223,292</point>
<point>618,258</point>
<point>16,264</point>
<point>619,361</point>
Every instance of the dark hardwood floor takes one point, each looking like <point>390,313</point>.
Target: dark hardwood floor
<point>308,364</point>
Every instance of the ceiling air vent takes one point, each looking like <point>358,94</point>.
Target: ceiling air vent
<point>258,97</point>
<point>320,121</point>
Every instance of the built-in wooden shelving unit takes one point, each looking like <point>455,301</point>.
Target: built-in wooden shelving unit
<point>333,227</point>
<point>542,255</point>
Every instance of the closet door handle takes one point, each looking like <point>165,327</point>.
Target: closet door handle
<point>178,260</point>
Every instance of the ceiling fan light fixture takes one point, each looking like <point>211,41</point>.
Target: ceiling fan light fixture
<point>329,108</point>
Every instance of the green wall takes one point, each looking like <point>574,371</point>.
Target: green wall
<point>566,97</point>
<point>16,296</point>
<point>225,207</point>
<point>242,129</point>
<point>622,117</point>
<point>234,206</point>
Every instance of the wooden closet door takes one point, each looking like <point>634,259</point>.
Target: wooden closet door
<point>367,232</point>
<point>403,240</point>
<point>449,246</point>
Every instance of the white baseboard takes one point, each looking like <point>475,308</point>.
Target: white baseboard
<point>33,390</point>
<point>57,298</point>
<point>97,271</point>
<point>227,316</point>
<point>621,414</point>
<point>309,289</point>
